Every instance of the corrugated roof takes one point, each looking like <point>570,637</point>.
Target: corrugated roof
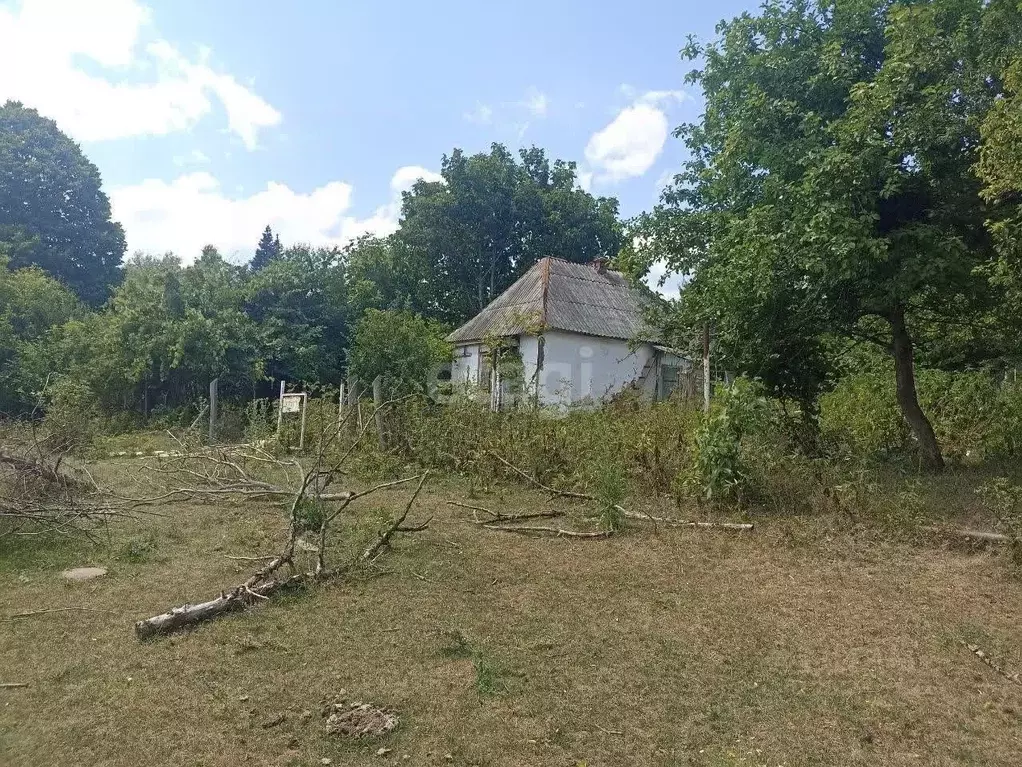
<point>561,295</point>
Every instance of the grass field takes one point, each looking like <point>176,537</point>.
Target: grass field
<point>804,642</point>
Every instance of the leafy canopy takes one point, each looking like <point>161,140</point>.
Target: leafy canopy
<point>53,211</point>
<point>490,218</point>
<point>831,189</point>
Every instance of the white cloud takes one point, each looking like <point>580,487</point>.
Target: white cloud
<point>405,177</point>
<point>667,284</point>
<point>629,145</point>
<point>384,219</point>
<point>481,114</point>
<point>193,210</point>
<point>84,64</point>
<point>653,98</point>
<point>536,102</point>
<point>662,98</point>
<point>533,105</point>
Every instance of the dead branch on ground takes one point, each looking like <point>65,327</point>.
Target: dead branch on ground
<point>33,613</point>
<point>975,650</point>
<point>266,581</point>
<point>980,536</point>
<point>229,477</point>
<point>498,516</point>
<point>739,526</point>
<point>38,497</point>
<point>508,523</point>
<point>556,532</point>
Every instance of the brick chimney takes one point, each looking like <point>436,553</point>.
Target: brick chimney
<point>599,265</point>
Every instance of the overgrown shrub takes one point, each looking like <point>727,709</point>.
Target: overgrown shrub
<point>720,471</point>
<point>975,414</point>
<point>72,416</point>
<point>648,445</point>
<point>1004,500</point>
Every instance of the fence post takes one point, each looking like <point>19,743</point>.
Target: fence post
<point>706,368</point>
<point>378,409</point>
<point>213,390</point>
<point>354,422</point>
<point>280,408</point>
<point>340,407</point>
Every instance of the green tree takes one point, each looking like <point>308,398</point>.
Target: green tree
<point>1000,166</point>
<point>381,274</point>
<point>268,249</point>
<point>298,303</point>
<point>31,305</point>
<point>830,191</point>
<point>490,219</point>
<point>53,211</point>
<point>400,346</point>
<point>165,333</point>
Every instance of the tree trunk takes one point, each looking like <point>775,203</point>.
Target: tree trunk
<point>904,374</point>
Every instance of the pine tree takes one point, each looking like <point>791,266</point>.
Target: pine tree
<point>267,250</point>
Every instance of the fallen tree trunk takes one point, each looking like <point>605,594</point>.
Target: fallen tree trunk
<point>188,615</point>
<point>975,535</point>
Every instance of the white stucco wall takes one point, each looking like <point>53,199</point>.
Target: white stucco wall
<point>578,368</point>
<point>465,369</point>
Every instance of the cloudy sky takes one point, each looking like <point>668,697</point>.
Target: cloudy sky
<point>209,120</point>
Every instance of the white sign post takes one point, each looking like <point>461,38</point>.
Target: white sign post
<point>296,402</point>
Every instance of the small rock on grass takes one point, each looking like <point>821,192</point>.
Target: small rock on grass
<point>83,573</point>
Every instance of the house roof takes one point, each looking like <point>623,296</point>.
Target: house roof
<point>561,295</point>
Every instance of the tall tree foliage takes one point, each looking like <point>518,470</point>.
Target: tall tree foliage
<point>299,304</point>
<point>53,211</point>
<point>31,305</point>
<point>491,218</point>
<point>1000,165</point>
<point>830,190</point>
<point>268,250</point>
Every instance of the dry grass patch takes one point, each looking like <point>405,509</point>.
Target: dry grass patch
<point>796,645</point>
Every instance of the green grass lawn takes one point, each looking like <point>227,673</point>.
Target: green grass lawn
<point>800,643</point>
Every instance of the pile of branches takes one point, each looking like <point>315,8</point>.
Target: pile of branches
<point>38,495</point>
<point>250,473</point>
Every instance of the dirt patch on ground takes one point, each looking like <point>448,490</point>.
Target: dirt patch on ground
<point>359,720</point>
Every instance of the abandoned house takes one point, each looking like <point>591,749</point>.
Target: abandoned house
<point>565,334</point>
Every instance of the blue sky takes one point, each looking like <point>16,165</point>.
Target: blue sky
<point>209,120</point>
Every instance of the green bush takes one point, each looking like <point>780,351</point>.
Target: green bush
<point>720,470</point>
<point>401,347</point>
<point>975,414</point>
<point>649,445</point>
